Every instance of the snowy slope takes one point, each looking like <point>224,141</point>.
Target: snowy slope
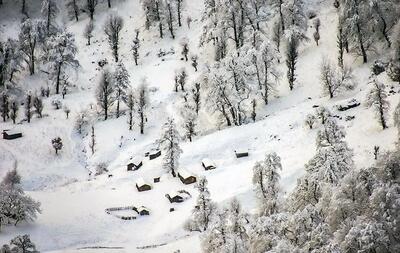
<point>74,204</point>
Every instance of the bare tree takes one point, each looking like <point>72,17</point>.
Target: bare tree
<point>105,93</point>
<point>142,104</point>
<point>377,98</point>
<point>91,7</point>
<point>57,144</point>
<point>113,29</point>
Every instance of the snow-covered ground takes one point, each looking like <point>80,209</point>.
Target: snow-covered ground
<point>73,214</point>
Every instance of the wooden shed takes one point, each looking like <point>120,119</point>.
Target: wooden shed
<point>178,197</point>
<point>186,177</point>
<point>7,135</point>
<point>241,153</point>
<point>134,164</point>
<point>208,164</point>
<point>141,185</point>
<point>153,154</point>
<point>143,211</point>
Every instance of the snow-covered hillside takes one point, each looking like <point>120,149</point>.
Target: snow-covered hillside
<point>74,200</point>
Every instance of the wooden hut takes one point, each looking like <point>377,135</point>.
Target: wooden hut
<point>11,136</point>
<point>177,197</point>
<point>141,185</point>
<point>241,153</point>
<point>143,211</point>
<point>153,154</point>
<point>186,177</point>
<point>134,164</point>
<point>208,164</point>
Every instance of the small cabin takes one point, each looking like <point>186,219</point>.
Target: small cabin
<point>241,153</point>
<point>208,164</point>
<point>154,154</point>
<point>143,211</point>
<point>11,136</point>
<point>178,197</point>
<point>186,177</point>
<point>156,180</point>
<point>134,164</point>
<point>141,185</point>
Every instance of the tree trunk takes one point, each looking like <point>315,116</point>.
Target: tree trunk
<point>179,12</point>
<point>58,78</point>
<point>109,3</point>
<point>141,122</point>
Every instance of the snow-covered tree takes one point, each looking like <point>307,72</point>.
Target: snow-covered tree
<point>38,105</point>
<point>142,104</point>
<point>316,34</point>
<point>57,144</point>
<point>266,181</point>
<point>310,120</point>
<point>130,102</point>
<point>121,80</point>
<point>28,39</point>
<point>73,9</point>
<point>195,63</point>
<point>265,61</point>
<point>81,121</point>
<point>356,16</point>
<point>61,54</point>
<point>185,48</point>
<point>334,158</point>
<point>237,239</point>
<point>204,209</point>
<point>291,60</point>
<point>105,93</point>
<point>112,29</point>
<point>88,32</point>
<point>377,99</point>
<point>135,47</point>
<point>169,141</point>
<point>28,107</point>
<point>196,96</point>
<point>385,14</point>
<point>4,107</point>
<point>334,81</point>
<point>396,118</point>
<point>50,11</point>
<point>215,238</point>
<point>296,20</point>
<point>182,78</point>
<point>10,61</point>
<point>20,244</point>
<point>15,205</point>
<point>14,107</point>
<point>189,117</point>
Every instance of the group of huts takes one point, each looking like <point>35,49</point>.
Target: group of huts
<point>185,176</point>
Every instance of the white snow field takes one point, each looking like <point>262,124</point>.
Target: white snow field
<point>73,217</point>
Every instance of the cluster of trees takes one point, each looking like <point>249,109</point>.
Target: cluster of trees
<point>356,31</point>
<point>163,14</point>
<point>334,207</point>
<point>247,52</point>
<point>15,205</point>
<point>114,89</point>
<point>20,244</point>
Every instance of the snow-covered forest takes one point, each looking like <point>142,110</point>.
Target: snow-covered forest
<point>215,126</point>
